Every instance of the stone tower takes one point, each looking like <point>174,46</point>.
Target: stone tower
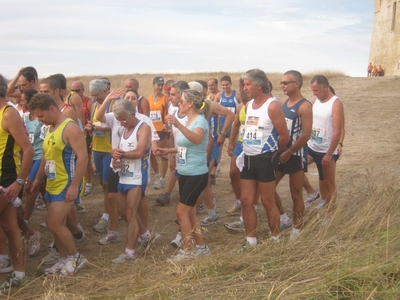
<point>385,43</point>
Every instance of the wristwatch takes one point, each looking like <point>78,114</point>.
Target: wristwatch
<point>341,144</point>
<point>20,181</point>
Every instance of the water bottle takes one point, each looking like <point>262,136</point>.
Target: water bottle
<point>16,201</point>
<point>117,163</point>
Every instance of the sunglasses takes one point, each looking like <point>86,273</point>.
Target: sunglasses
<point>287,82</point>
<point>76,91</point>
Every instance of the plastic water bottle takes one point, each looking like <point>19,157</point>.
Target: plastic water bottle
<point>16,201</point>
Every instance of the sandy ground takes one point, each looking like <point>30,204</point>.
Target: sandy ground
<point>371,146</point>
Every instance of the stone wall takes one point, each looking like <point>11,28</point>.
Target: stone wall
<point>385,43</point>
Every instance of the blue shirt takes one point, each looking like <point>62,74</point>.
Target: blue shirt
<point>192,159</point>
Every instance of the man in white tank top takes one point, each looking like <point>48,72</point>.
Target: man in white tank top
<point>265,134</point>
<point>328,123</point>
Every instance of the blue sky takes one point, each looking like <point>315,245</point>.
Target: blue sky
<point>123,37</point>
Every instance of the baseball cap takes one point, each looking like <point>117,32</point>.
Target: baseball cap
<point>194,85</point>
<point>158,80</point>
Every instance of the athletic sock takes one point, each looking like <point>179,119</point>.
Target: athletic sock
<point>252,241</point>
<point>130,251</point>
<point>146,235</point>
<point>106,217</point>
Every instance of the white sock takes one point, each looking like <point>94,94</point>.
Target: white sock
<point>112,232</point>
<point>106,217</point>
<point>146,235</point>
<point>256,207</point>
<point>275,238</point>
<point>283,217</point>
<point>296,230</point>
<point>88,184</point>
<point>19,274</point>
<point>130,251</point>
<point>252,241</point>
<point>238,202</point>
<point>241,219</point>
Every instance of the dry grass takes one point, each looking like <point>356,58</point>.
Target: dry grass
<point>355,256</point>
<point>145,80</point>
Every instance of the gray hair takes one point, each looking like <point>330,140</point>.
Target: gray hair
<point>123,105</point>
<point>202,106</point>
<point>3,86</point>
<point>258,77</point>
<point>297,75</point>
<point>180,85</point>
<point>97,85</point>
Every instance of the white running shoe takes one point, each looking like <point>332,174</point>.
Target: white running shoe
<point>72,265</point>
<point>181,256</point>
<point>177,241</point>
<point>101,226</point>
<point>209,220</point>
<point>6,266</point>
<point>88,190</point>
<point>235,226</point>
<point>311,199</point>
<point>146,243</point>
<point>55,269</point>
<point>51,258</point>
<point>285,224</point>
<point>109,238</point>
<point>235,210</point>
<point>123,258</point>
<point>202,250</point>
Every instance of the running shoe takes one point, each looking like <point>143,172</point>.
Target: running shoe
<point>321,204</point>
<point>177,241</point>
<point>80,208</point>
<point>110,238</point>
<point>311,198</point>
<point>123,258</point>
<point>163,199</point>
<point>51,258</point>
<point>201,209</point>
<point>202,251</point>
<point>294,236</point>
<point>235,226</point>
<point>72,265</point>
<point>146,243</point>
<point>159,183</point>
<point>209,220</point>
<point>101,226</point>
<point>55,269</point>
<point>6,266</point>
<point>181,256</point>
<point>81,241</point>
<point>34,243</point>
<point>285,224</point>
<point>235,210</point>
<point>13,281</point>
<point>88,190</point>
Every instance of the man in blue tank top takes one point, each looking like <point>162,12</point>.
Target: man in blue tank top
<point>298,116</point>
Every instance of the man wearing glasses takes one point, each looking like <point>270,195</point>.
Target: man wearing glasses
<point>298,116</point>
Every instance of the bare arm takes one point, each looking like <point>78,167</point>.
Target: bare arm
<point>234,131</point>
<point>278,119</point>
<point>338,124</point>
<point>220,110</point>
<point>145,106</point>
<point>70,113</point>
<point>76,102</point>
<point>74,137</point>
<point>101,111</point>
<point>11,91</point>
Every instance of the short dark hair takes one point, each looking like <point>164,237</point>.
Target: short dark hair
<point>28,75</point>
<point>226,78</point>
<point>42,101</point>
<point>29,93</point>
<point>32,70</point>
<point>203,83</point>
<point>61,78</point>
<point>297,75</point>
<point>3,86</point>
<point>320,80</point>
<point>52,82</point>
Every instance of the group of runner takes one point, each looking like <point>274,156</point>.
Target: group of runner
<point>183,125</point>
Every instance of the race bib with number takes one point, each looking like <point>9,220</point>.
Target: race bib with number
<point>252,136</point>
<point>127,167</point>
<point>155,115</point>
<point>318,134</point>
<point>50,169</point>
<point>181,156</point>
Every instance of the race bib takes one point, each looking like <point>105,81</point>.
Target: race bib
<point>31,137</point>
<point>127,167</point>
<point>43,131</point>
<point>181,157</point>
<point>155,115</point>
<point>289,124</point>
<point>50,169</point>
<point>252,136</point>
<point>317,134</point>
<point>241,132</point>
